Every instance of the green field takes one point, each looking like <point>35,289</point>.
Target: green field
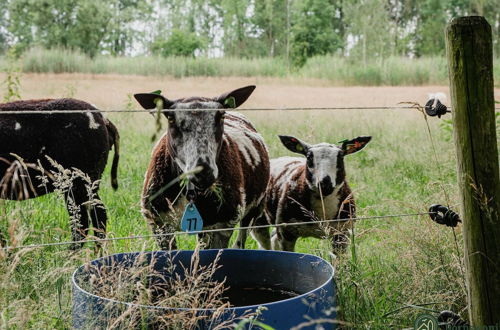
<point>392,263</point>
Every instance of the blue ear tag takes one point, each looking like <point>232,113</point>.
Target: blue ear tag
<point>191,219</point>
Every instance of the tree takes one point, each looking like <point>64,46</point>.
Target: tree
<point>429,34</point>
<point>59,23</point>
<point>270,22</point>
<point>180,43</point>
<point>90,27</point>
<point>236,26</point>
<point>313,32</point>
<point>3,32</point>
<point>402,14</point>
<point>370,27</point>
<point>123,25</point>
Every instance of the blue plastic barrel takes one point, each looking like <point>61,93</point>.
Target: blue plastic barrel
<point>308,276</point>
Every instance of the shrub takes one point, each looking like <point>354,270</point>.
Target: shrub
<point>180,43</point>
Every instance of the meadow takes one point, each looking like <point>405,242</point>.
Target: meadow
<point>391,265</point>
<point>334,70</point>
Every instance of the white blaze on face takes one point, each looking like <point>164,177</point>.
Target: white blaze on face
<point>196,141</point>
<point>325,157</point>
<point>17,126</point>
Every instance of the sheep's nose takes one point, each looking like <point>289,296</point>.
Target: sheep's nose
<point>205,178</point>
<point>326,186</point>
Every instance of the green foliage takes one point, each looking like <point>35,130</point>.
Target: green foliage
<point>368,21</point>
<point>88,25</point>
<point>446,126</point>
<point>179,43</point>
<point>337,70</point>
<point>294,30</point>
<point>273,19</point>
<point>12,81</point>
<point>429,34</point>
<point>3,34</point>
<point>313,31</point>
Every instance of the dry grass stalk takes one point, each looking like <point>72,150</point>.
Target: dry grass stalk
<point>176,295</point>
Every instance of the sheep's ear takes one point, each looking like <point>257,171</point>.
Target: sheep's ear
<point>235,98</point>
<point>355,145</point>
<point>294,144</point>
<point>152,100</point>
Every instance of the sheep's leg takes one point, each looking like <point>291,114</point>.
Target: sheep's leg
<point>253,218</point>
<point>340,237</point>
<point>76,203</point>
<point>161,223</point>
<point>216,240</point>
<point>283,240</point>
<point>339,243</point>
<point>242,236</point>
<point>99,218</point>
<point>261,235</point>
<point>165,241</point>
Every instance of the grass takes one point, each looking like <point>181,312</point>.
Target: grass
<point>392,71</point>
<point>392,262</point>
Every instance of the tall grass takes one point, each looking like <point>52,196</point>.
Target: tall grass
<point>335,70</point>
<point>391,71</point>
<point>59,61</point>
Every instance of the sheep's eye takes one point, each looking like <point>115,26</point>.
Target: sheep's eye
<point>219,118</point>
<point>310,157</point>
<point>171,120</point>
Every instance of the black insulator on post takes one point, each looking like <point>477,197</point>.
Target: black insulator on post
<point>434,107</point>
<point>448,318</point>
<point>443,215</point>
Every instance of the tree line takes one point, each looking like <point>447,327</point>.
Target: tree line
<point>291,29</point>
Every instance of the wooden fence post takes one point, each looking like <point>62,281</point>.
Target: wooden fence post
<point>470,64</point>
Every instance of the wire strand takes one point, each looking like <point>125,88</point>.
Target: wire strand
<point>153,111</point>
<point>177,233</point>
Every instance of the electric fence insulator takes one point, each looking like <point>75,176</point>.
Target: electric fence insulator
<point>434,107</point>
<point>443,215</point>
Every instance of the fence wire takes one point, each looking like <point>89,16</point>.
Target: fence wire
<point>177,233</point>
<point>153,111</point>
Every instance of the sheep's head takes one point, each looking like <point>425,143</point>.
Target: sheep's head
<point>324,161</point>
<point>195,129</point>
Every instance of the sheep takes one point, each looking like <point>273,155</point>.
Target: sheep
<point>231,154</point>
<point>73,140</point>
<point>306,189</point>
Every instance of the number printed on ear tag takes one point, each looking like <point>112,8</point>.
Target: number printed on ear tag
<point>191,219</point>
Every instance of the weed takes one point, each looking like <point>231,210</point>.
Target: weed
<point>12,80</point>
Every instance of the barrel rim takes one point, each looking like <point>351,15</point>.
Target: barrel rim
<point>238,308</point>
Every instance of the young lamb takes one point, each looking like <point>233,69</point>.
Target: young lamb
<point>73,140</point>
<point>307,189</point>
<point>226,147</point>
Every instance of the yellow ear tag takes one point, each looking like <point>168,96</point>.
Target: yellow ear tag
<point>299,147</point>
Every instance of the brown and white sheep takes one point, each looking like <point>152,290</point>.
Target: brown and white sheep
<point>232,157</point>
<point>307,189</point>
<point>73,140</point>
